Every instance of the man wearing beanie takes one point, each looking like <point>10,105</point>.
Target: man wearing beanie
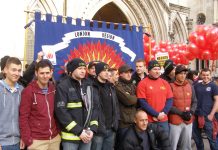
<point>169,71</point>
<point>155,96</point>
<point>76,107</point>
<point>181,114</point>
<point>108,110</point>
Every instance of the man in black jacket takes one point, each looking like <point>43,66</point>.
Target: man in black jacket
<point>144,136</point>
<point>108,110</point>
<point>169,71</point>
<point>76,104</point>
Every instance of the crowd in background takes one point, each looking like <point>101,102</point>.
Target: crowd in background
<point>95,107</point>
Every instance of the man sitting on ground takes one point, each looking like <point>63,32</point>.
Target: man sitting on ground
<point>143,136</point>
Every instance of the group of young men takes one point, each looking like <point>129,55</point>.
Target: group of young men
<point>96,107</point>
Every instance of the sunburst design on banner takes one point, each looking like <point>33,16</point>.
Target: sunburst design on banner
<point>96,52</point>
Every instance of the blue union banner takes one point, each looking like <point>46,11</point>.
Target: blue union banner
<point>62,41</point>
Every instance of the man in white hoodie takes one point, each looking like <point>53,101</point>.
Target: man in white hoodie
<point>10,92</point>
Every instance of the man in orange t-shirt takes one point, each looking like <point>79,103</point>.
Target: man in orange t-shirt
<point>155,96</point>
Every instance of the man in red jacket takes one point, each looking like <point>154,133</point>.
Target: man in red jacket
<point>37,124</point>
<point>184,105</point>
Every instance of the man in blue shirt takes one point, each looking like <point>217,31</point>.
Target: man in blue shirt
<point>206,116</point>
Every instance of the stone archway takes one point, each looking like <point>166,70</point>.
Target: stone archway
<point>138,12</point>
<point>179,29</point>
<point>111,13</point>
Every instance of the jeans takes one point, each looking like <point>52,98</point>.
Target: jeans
<point>104,142</point>
<point>76,146</point>
<point>166,128</point>
<point>11,147</point>
<point>164,125</point>
<point>208,131</point>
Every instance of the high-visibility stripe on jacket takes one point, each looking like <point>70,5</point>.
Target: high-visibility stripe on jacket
<point>70,108</point>
<point>69,136</point>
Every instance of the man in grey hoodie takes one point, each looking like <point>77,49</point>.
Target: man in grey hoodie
<point>10,92</point>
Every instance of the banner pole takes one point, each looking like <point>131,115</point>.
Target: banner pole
<point>149,31</point>
<point>25,43</point>
<point>65,8</point>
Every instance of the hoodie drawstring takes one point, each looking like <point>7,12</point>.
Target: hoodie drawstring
<point>35,102</point>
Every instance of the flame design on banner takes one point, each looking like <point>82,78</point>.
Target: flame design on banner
<point>95,51</point>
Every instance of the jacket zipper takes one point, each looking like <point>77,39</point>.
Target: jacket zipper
<point>13,122</point>
<point>48,115</point>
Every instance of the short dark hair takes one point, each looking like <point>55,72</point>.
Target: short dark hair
<point>44,63</point>
<point>26,66</point>
<point>13,60</point>
<point>205,70</point>
<point>3,61</point>
<point>195,72</point>
<point>191,74</point>
<point>140,60</point>
<point>112,69</point>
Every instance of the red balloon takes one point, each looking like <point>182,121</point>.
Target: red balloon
<point>202,30</point>
<point>146,47</point>
<point>215,46</point>
<point>212,35</point>
<point>184,46</point>
<point>174,59</point>
<point>178,60</point>
<point>174,45</point>
<point>189,55</point>
<point>153,43</point>
<point>163,44</point>
<point>162,50</point>
<point>168,47</point>
<point>168,43</point>
<point>192,37</point>
<point>147,58</point>
<point>180,46</point>
<point>206,55</point>
<point>155,50</point>
<point>192,48</point>
<point>200,42</point>
<point>146,39</point>
<point>184,60</point>
<point>214,56</point>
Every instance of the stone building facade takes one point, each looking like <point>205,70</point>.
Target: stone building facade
<point>167,20</point>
